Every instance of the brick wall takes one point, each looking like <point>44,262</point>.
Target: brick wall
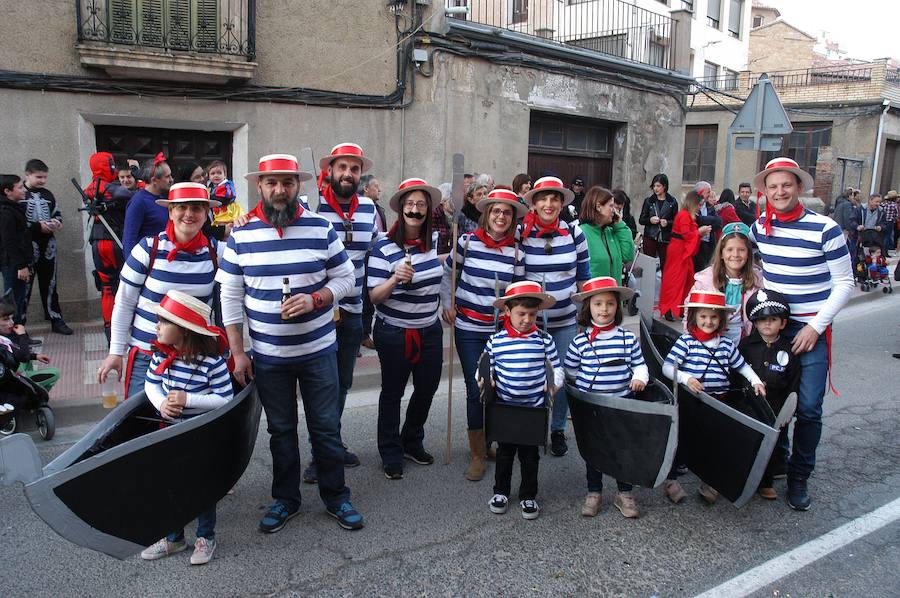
<point>779,47</point>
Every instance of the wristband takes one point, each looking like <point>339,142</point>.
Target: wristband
<point>318,302</point>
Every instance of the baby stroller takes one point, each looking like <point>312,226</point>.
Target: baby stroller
<point>24,395</point>
<point>871,265</point>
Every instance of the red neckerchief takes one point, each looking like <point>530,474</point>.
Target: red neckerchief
<point>258,212</point>
<point>169,351</point>
<point>490,243</point>
<point>195,245</point>
<point>513,333</point>
<point>771,215</point>
<point>532,222</point>
<point>595,330</point>
<point>413,243</point>
<point>328,195</point>
<point>702,336</point>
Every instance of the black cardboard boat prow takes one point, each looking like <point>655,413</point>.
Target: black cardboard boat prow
<point>725,447</point>
<point>631,439</point>
<point>127,483</point>
<point>510,423</point>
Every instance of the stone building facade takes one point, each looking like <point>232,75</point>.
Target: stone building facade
<point>275,78</point>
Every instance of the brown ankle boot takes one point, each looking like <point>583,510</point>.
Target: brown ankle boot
<point>475,470</point>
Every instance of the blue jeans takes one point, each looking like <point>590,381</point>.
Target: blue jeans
<point>139,366</point>
<point>349,336</point>
<point>595,481</point>
<point>562,338</point>
<point>277,387</point>
<point>808,425</point>
<point>206,527</point>
<point>469,347</point>
<point>17,291</point>
<point>395,371</point>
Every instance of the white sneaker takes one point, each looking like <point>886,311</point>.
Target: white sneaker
<point>6,408</point>
<point>530,509</point>
<point>203,551</point>
<point>499,504</point>
<point>162,549</point>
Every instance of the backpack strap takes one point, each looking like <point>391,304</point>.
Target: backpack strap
<point>154,248</point>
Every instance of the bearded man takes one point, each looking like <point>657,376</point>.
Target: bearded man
<point>293,340</point>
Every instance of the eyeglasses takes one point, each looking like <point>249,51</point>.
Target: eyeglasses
<point>419,205</point>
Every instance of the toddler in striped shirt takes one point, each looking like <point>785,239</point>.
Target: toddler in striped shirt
<point>605,358</point>
<point>518,356</point>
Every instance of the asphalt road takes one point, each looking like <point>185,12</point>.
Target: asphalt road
<point>432,533</point>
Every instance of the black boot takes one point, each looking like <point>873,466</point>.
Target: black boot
<point>58,326</point>
<point>797,495</point>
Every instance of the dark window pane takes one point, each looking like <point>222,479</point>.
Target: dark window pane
<point>576,137</point>
<point>552,135</point>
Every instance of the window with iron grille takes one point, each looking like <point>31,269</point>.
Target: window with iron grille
<point>735,17</point>
<point>710,73</point>
<point>802,145</point>
<point>729,81</point>
<point>519,10</point>
<point>699,153</point>
<point>172,24</point>
<point>714,13</point>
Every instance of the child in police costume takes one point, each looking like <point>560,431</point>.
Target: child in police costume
<point>704,358</point>
<point>518,356</point>
<point>769,354</point>
<point>605,358</point>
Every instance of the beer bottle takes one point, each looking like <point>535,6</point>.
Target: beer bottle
<point>285,295</point>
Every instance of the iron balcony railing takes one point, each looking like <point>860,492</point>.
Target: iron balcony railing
<point>212,26</point>
<point>611,27</point>
<point>859,73</point>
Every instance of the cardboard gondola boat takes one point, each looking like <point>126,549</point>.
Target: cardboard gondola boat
<point>631,439</point>
<point>129,482</point>
<point>727,444</point>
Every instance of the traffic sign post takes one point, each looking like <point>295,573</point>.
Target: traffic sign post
<point>760,125</point>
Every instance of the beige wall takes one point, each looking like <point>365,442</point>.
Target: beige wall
<point>779,47</point>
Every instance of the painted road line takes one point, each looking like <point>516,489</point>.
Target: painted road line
<point>790,562</point>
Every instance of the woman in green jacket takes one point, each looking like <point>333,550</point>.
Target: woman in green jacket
<point>609,239</point>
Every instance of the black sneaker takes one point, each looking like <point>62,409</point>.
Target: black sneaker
<point>276,517</point>
<point>418,455</point>
<point>797,495</point>
<point>530,509</point>
<point>499,504</point>
<point>393,471</point>
<point>311,474</point>
<point>350,458</point>
<point>60,327</point>
<point>558,446</point>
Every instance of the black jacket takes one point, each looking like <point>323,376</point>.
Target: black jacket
<point>747,214</point>
<point>40,205</point>
<point>15,235</point>
<point>778,368</point>
<point>666,210</point>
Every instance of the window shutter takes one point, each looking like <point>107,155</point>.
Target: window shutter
<point>151,22</point>
<point>122,21</point>
<point>178,14</point>
<point>735,12</point>
<point>714,10</point>
<point>207,25</point>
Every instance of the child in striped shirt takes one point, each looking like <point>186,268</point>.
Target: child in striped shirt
<point>605,358</point>
<point>518,355</point>
<point>704,358</point>
<point>187,376</point>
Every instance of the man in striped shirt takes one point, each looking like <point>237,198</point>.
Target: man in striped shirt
<point>804,257</point>
<point>293,340</point>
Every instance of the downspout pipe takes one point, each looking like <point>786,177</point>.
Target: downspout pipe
<point>887,106</point>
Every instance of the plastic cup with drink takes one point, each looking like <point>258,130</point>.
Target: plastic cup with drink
<point>109,390</point>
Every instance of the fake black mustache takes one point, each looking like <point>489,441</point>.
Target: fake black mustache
<point>414,215</point>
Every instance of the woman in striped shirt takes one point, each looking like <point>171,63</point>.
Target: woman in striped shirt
<point>605,358</point>
<point>487,260</point>
<point>404,280</point>
<point>556,256</point>
<point>179,258</point>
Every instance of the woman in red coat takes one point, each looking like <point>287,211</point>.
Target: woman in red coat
<point>678,274</point>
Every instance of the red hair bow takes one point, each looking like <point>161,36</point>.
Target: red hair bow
<point>158,159</point>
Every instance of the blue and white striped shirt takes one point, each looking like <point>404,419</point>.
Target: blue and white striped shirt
<point>519,366</point>
<point>807,260</point>
<point>311,256</point>
<point>483,276</point>
<point>205,382</point>
<point>139,295</point>
<point>559,271</point>
<point>695,360</point>
<point>608,364</point>
<point>413,304</point>
<point>363,233</point>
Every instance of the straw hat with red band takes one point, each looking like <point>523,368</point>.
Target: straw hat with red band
<point>602,284</point>
<point>550,183</point>
<point>783,165</point>
<point>187,192</point>
<point>523,290</point>
<point>186,311</point>
<point>707,299</point>
<point>345,150</point>
<point>278,164</point>
<point>504,196</point>
<point>410,185</point>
